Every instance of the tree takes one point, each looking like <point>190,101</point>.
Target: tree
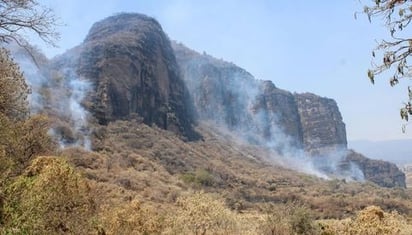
<point>17,18</point>
<point>50,197</point>
<point>13,88</point>
<point>393,54</point>
<point>21,137</point>
<point>21,16</point>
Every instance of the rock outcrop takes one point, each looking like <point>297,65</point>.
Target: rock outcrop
<point>230,96</point>
<point>131,64</point>
<point>322,125</point>
<point>383,173</point>
<point>264,114</point>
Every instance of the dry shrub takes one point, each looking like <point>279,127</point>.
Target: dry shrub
<point>131,218</point>
<point>21,141</point>
<point>201,213</point>
<point>289,218</point>
<point>49,198</point>
<point>370,221</point>
<point>200,177</point>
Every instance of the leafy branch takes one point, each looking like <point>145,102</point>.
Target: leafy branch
<point>395,52</point>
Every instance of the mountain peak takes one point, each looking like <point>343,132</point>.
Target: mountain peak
<point>124,23</point>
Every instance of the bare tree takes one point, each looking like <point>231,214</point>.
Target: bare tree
<point>391,56</point>
<point>19,17</point>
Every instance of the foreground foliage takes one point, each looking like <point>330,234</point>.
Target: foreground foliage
<point>371,220</point>
<point>48,198</point>
<point>13,88</point>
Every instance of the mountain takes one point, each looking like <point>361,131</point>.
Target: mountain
<point>127,69</point>
<point>158,139</point>
<point>132,67</point>
<point>230,96</point>
<point>303,125</point>
<point>322,124</point>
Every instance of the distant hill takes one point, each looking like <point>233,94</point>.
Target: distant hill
<point>396,151</point>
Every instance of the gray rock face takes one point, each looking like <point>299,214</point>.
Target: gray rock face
<point>322,125</point>
<point>228,95</point>
<point>281,112</point>
<point>131,64</point>
<point>382,173</point>
<point>264,114</point>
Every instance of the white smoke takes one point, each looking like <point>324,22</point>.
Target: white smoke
<point>60,93</point>
<point>233,89</point>
<point>34,78</point>
<point>329,165</point>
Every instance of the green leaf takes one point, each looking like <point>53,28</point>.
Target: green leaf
<point>401,12</point>
<point>393,81</point>
<point>371,76</point>
<point>404,114</point>
<point>377,2</point>
<point>410,93</point>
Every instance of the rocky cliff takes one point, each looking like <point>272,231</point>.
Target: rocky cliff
<point>228,94</point>
<point>232,97</point>
<point>322,125</point>
<point>264,114</point>
<point>131,65</point>
<point>380,172</point>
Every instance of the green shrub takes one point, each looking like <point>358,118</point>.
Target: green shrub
<point>49,198</point>
<point>200,177</point>
<point>289,218</point>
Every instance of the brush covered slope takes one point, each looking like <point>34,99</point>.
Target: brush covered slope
<point>134,160</point>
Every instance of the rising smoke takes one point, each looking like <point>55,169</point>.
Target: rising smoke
<point>235,101</point>
<point>58,93</point>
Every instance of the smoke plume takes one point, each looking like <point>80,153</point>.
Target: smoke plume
<point>59,94</point>
<point>257,112</point>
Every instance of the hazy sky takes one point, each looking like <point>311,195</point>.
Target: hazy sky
<point>302,46</point>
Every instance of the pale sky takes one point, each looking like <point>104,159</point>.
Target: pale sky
<point>302,46</point>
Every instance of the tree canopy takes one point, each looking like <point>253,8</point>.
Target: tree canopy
<point>391,56</point>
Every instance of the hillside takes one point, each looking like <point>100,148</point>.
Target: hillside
<point>145,136</point>
<point>156,165</point>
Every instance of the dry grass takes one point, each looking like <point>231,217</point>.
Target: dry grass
<point>154,165</point>
<point>144,180</point>
<point>370,221</point>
